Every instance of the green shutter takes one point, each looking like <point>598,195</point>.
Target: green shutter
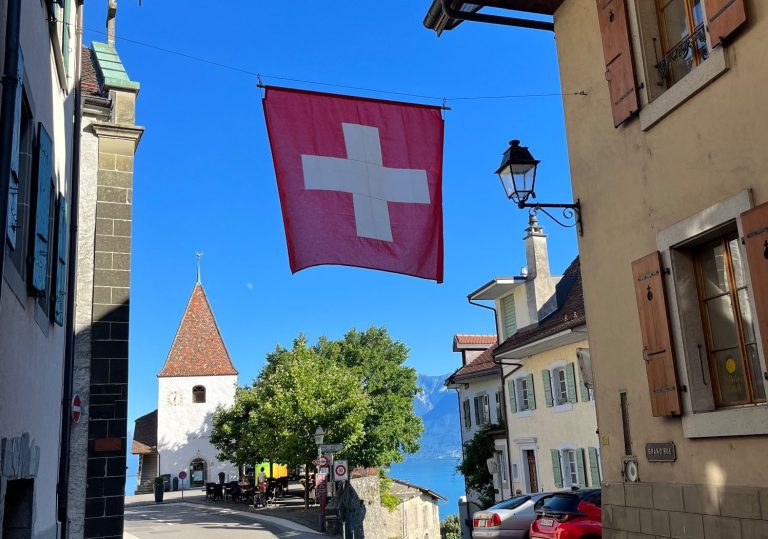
<point>531,393</point>
<point>570,379</point>
<point>477,411</point>
<point>580,471</point>
<point>546,377</point>
<point>42,213</point>
<point>583,387</point>
<point>594,467</point>
<point>557,472</point>
<point>61,263</point>
<point>511,396</point>
<point>14,184</point>
<point>508,312</point>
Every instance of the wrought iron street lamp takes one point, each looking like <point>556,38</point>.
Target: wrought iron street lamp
<point>517,173</point>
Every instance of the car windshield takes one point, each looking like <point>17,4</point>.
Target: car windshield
<point>561,503</point>
<point>512,503</point>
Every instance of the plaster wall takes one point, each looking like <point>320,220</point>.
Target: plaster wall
<point>415,518</point>
<point>31,347</point>
<point>184,430</point>
<point>568,426</point>
<point>488,385</point>
<point>633,184</point>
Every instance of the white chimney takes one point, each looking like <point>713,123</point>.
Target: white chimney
<point>539,288</point>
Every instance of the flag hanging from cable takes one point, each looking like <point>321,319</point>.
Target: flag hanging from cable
<point>360,181</point>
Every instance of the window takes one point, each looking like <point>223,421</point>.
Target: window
<point>467,413</point>
<point>499,412</point>
<point>521,394</point>
<point>560,385</point>
<point>683,38</point>
<point>18,202</point>
<point>734,363</point>
<point>570,473</point>
<point>501,465</point>
<point>198,394</point>
<point>482,410</point>
<point>524,390</point>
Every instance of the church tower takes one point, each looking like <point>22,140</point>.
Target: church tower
<point>198,377</point>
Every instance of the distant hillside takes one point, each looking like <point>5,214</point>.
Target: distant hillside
<point>438,408</point>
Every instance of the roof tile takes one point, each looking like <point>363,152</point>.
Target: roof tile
<point>481,364</point>
<point>476,339</point>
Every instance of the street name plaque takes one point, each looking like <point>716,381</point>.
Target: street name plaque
<point>660,452</point>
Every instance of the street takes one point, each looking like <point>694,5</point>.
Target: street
<point>192,520</point>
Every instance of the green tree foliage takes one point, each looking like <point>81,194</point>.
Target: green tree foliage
<point>474,467</point>
<point>388,499</point>
<point>275,419</point>
<point>450,528</point>
<point>391,427</point>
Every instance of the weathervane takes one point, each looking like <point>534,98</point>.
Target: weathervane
<point>199,255</point>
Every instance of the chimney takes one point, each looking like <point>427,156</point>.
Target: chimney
<point>539,288</point>
<point>111,13</point>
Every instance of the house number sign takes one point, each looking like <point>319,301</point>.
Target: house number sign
<point>660,452</point>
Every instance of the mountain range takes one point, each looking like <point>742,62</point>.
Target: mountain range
<point>437,406</point>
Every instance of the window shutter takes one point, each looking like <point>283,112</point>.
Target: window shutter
<point>546,376</point>
<point>580,468</point>
<point>657,351</point>
<point>531,393</point>
<point>557,472</point>
<point>42,214</point>
<point>619,65</point>
<point>487,408</point>
<point>510,320</point>
<point>477,411</point>
<point>511,396</point>
<point>594,467</point>
<point>724,17</point>
<point>583,388</point>
<point>467,414</point>
<point>754,223</point>
<point>61,263</point>
<point>13,191</point>
<point>570,380</point>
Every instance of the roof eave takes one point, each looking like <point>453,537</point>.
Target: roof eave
<point>496,288</point>
<point>571,335</point>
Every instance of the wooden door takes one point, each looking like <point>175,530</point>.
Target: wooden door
<point>532,479</point>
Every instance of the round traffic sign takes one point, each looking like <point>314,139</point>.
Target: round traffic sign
<point>182,475</point>
<point>76,408</point>
<point>322,461</point>
<point>340,469</point>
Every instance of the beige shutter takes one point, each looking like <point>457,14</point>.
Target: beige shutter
<point>754,223</point>
<point>724,17</point>
<point>657,339</point>
<point>619,66</point>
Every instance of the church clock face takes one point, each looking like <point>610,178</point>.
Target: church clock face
<point>174,398</point>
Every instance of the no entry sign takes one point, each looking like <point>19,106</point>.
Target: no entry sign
<point>76,408</point>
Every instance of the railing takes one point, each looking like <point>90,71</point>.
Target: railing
<point>692,48</point>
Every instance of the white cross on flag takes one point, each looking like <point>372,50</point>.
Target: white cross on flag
<point>360,181</point>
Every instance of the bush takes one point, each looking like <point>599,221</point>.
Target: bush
<point>450,527</point>
<point>388,500</point>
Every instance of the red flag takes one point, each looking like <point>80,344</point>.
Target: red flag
<point>360,181</point>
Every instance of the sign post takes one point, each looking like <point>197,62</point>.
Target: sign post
<point>182,477</point>
<point>321,490</point>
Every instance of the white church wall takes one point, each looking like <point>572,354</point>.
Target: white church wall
<point>184,427</point>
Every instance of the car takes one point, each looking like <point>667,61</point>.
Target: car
<point>510,519</point>
<point>569,515</point>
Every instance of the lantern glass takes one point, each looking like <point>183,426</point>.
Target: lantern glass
<point>319,435</point>
<point>518,173</point>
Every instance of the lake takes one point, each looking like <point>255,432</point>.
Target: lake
<point>438,475</point>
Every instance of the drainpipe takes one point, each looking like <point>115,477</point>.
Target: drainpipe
<point>69,350</point>
<point>11,87</point>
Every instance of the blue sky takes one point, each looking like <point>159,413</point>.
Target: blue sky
<point>204,179</point>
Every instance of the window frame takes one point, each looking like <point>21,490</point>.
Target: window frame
<point>521,394</point>
<point>569,467</point>
<point>467,410</point>
<point>698,56</point>
<point>560,387</point>
<point>198,390</point>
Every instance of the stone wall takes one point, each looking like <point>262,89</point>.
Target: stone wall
<point>653,510</point>
<point>361,510</point>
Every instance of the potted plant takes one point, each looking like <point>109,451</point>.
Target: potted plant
<point>159,489</point>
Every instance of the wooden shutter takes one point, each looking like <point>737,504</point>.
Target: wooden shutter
<point>580,468</point>
<point>59,301</point>
<point>619,65</point>
<point>754,223</point>
<point>724,17</point>
<point>570,381</point>
<point>546,378</point>
<point>510,319</point>
<point>657,352</point>
<point>583,388</point>
<point>42,213</point>
<point>467,414</point>
<point>477,410</point>
<point>511,396</point>
<point>557,472</point>
<point>594,467</point>
<point>531,393</point>
<point>13,191</point>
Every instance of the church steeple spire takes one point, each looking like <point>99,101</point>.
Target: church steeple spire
<point>199,255</point>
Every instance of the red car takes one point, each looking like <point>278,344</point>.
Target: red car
<point>569,515</point>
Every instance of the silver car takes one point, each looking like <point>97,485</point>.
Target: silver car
<point>508,519</point>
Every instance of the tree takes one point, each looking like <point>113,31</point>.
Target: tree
<point>450,528</point>
<point>391,427</point>
<point>474,467</point>
<point>275,419</point>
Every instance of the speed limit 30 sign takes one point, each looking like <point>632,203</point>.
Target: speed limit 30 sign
<point>340,470</point>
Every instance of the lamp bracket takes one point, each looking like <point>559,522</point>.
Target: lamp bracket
<point>571,212</point>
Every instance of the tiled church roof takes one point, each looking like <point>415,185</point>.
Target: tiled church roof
<point>198,349</point>
<point>89,80</point>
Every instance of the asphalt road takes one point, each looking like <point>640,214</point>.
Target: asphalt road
<point>186,521</point>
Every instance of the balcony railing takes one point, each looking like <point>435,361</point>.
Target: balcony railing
<point>692,50</point>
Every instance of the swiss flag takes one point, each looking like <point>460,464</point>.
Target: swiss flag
<point>360,181</point>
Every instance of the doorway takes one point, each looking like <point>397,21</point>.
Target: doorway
<point>17,513</point>
<point>197,473</point>
<point>530,460</point>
